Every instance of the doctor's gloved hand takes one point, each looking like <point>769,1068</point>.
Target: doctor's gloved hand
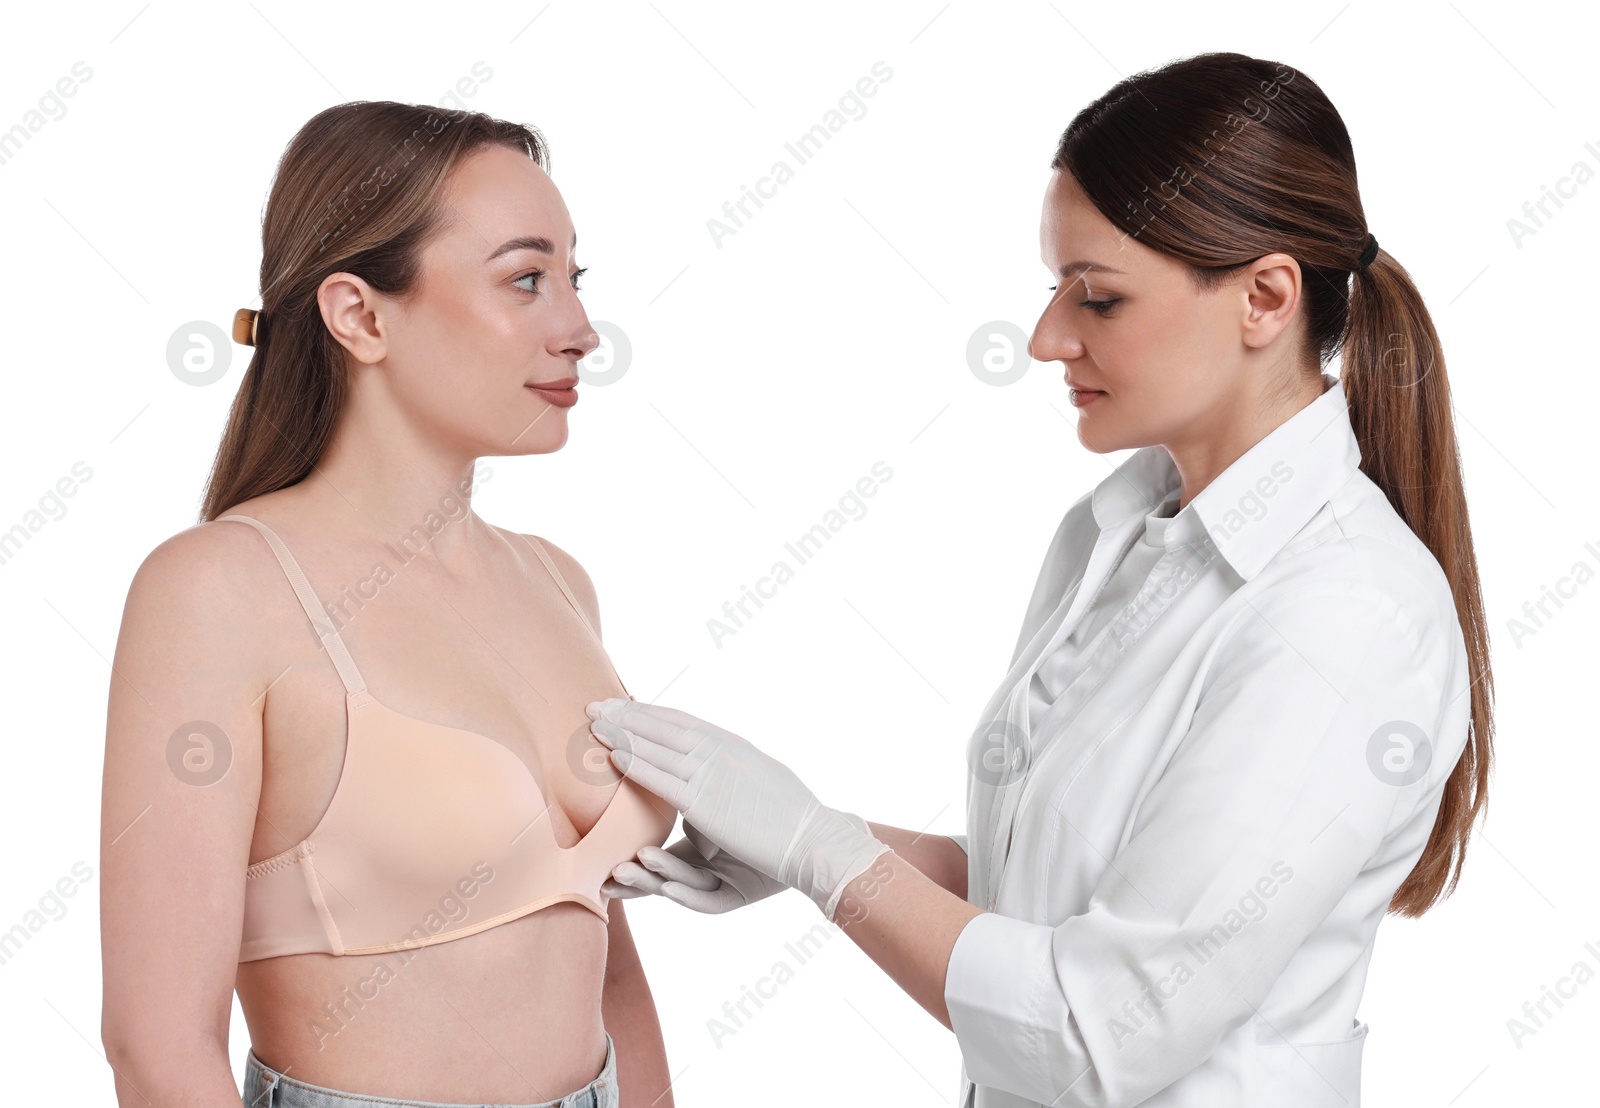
<point>742,800</point>
<point>695,872</point>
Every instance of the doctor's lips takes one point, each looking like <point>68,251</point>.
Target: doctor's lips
<point>562,393</point>
<point>1081,396</point>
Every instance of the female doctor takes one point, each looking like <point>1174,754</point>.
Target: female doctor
<point>1249,708</point>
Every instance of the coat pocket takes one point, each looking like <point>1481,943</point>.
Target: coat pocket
<point>1309,1075</point>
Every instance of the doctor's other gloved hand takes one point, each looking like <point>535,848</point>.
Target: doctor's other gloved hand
<point>741,799</point>
<point>697,874</point>
<point>693,871</point>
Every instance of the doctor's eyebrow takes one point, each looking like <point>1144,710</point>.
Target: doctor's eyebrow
<point>528,242</point>
<point>1070,268</point>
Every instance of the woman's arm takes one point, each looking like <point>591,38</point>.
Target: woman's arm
<point>939,857</point>
<point>630,1016</point>
<point>178,810</point>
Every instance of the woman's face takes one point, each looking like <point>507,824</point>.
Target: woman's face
<point>1169,361</point>
<point>494,313</point>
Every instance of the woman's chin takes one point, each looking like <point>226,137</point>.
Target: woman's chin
<point>546,438</point>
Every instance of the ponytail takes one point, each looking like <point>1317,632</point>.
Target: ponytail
<point>1394,378</point>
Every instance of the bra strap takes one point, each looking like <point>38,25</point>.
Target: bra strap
<point>538,548</point>
<point>331,642</point>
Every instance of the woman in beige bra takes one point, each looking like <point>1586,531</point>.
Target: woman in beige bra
<point>413,322</point>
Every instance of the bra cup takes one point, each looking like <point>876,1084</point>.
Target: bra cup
<point>419,809</point>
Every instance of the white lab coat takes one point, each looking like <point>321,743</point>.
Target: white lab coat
<point>1184,864</point>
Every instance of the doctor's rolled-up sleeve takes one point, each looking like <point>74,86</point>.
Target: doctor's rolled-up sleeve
<point>1268,808</point>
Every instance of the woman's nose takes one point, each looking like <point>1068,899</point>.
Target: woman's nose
<point>578,339</point>
<point>586,342</point>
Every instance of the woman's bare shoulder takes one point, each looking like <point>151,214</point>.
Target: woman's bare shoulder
<point>217,574</point>
<point>576,576</point>
<point>209,558</point>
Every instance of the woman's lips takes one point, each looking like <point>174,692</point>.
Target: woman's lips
<point>1084,398</point>
<point>560,397</point>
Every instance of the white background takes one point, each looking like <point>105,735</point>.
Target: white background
<point>768,375</point>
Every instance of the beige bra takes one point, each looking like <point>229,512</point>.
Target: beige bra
<point>434,833</point>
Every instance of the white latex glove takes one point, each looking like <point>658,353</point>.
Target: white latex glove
<point>742,800</point>
<point>693,871</point>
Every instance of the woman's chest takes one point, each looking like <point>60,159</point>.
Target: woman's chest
<point>520,684</point>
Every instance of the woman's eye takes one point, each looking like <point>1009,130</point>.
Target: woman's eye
<point>538,273</point>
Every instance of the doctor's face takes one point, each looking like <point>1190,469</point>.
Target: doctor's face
<point>1162,357</point>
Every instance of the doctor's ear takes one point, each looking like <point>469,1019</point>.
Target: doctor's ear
<point>1268,291</point>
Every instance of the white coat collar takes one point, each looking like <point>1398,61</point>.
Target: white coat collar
<point>1256,505</point>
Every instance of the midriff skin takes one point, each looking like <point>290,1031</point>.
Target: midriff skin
<point>510,1014</point>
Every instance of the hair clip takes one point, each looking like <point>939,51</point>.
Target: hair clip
<point>244,326</point>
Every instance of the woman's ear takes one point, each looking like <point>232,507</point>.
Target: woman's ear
<point>353,311</point>
<point>1270,288</point>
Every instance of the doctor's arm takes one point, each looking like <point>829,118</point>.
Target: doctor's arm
<point>929,907</point>
<point>1269,803</point>
<point>940,858</point>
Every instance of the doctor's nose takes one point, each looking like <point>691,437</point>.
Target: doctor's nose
<point>1054,339</point>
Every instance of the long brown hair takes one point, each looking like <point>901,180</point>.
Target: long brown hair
<point>357,191</point>
<point>1219,158</point>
